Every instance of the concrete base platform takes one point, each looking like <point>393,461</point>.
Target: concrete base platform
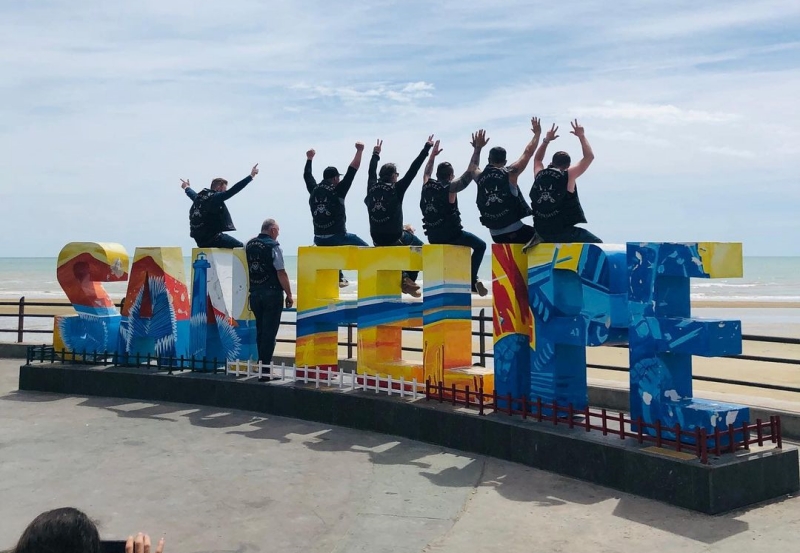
<point>728,483</point>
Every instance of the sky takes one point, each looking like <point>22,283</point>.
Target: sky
<point>692,109</point>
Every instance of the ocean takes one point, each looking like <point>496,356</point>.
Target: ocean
<point>769,282</point>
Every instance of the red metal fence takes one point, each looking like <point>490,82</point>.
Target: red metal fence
<point>697,441</point>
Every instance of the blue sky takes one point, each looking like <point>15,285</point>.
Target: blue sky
<point>691,108</point>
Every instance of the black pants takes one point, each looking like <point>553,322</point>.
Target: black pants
<point>519,236</point>
<point>405,239</point>
<point>572,235</point>
<point>220,240</point>
<point>267,306</point>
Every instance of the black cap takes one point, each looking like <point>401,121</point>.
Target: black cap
<point>331,172</point>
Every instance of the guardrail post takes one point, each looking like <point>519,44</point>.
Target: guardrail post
<point>349,340</point>
<point>21,320</point>
<point>482,332</point>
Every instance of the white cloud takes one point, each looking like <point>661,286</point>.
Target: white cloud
<point>661,114</point>
<point>102,109</point>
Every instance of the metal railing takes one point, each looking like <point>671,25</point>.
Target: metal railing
<point>481,356</point>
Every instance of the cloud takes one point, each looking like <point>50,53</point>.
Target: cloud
<point>402,92</point>
<point>662,114</point>
<point>103,109</point>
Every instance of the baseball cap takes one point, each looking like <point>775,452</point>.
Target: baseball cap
<point>331,172</point>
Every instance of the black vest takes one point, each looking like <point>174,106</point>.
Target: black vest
<point>263,275</point>
<point>384,208</point>
<point>327,210</point>
<point>554,208</point>
<point>207,219</point>
<point>498,207</point>
<point>440,218</point>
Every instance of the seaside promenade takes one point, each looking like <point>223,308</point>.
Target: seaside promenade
<point>225,480</point>
<point>217,480</point>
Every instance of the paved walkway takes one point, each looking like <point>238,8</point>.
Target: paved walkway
<point>215,480</point>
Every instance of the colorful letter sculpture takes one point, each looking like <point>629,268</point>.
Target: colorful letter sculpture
<point>222,325</point>
<point>382,314</point>
<point>549,305</point>
<point>663,336</point>
<point>577,295</point>
<point>82,267</point>
<point>155,314</point>
<point>447,319</point>
<point>319,309</point>
<point>512,321</point>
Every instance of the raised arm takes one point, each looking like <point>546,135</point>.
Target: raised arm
<point>538,159</point>
<point>307,174</point>
<point>188,189</point>
<point>403,184</point>
<point>478,141</point>
<point>426,176</point>
<point>519,166</point>
<point>579,168</point>
<point>344,185</point>
<point>236,188</point>
<point>372,171</point>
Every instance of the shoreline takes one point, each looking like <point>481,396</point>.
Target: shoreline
<point>477,303</point>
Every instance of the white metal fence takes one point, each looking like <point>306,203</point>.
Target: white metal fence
<point>318,376</point>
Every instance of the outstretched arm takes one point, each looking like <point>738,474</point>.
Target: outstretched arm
<point>431,161</point>
<point>372,172</point>
<point>187,188</point>
<point>307,175</point>
<point>344,185</point>
<point>236,188</point>
<point>538,159</point>
<point>519,166</point>
<point>588,156</point>
<point>416,165</point>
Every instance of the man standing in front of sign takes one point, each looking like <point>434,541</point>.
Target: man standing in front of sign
<point>268,283</point>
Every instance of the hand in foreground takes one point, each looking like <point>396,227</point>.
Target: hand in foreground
<point>536,125</point>
<point>185,184</point>
<point>289,302</point>
<point>429,142</point>
<point>551,134</point>
<point>436,149</point>
<point>359,146</point>
<point>141,544</point>
<point>479,139</point>
<point>577,129</point>
<point>377,148</point>
<point>310,153</point>
<point>254,171</point>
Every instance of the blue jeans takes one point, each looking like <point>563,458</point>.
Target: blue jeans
<point>464,238</point>
<point>573,235</point>
<point>220,240</point>
<point>345,239</point>
<point>521,236</point>
<point>409,239</point>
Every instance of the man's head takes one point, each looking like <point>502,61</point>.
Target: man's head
<point>270,228</point>
<point>219,185</point>
<point>388,172</point>
<point>331,174</point>
<point>497,156</point>
<point>561,160</point>
<point>444,172</point>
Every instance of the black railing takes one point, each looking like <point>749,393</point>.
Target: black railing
<point>480,357</point>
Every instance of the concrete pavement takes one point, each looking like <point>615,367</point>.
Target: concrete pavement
<point>218,480</point>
